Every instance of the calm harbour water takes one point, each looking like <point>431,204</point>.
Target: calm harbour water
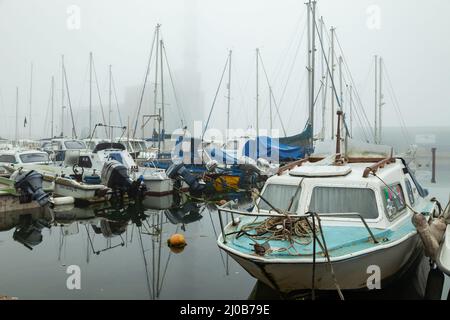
<point>123,254</point>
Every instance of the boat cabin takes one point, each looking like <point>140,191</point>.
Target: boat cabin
<point>62,146</point>
<point>346,189</point>
<point>21,157</point>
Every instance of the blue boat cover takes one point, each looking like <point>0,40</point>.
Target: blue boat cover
<point>272,150</point>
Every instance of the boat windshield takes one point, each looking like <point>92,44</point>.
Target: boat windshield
<point>138,146</point>
<point>282,197</point>
<point>75,145</point>
<point>344,200</point>
<point>8,158</point>
<point>34,157</point>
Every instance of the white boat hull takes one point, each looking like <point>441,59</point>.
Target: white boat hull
<point>158,187</point>
<point>351,274</point>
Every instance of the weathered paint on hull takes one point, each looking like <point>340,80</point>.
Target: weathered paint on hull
<point>351,274</point>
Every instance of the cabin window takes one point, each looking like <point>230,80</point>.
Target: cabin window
<point>75,145</point>
<point>344,200</point>
<point>394,200</point>
<point>7,158</point>
<point>34,157</point>
<point>282,197</point>
<point>410,191</point>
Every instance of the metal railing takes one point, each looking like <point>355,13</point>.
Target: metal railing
<point>292,215</point>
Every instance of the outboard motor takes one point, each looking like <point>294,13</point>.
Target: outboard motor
<point>179,170</point>
<point>29,186</point>
<point>115,176</point>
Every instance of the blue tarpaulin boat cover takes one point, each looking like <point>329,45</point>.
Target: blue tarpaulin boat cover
<point>272,150</point>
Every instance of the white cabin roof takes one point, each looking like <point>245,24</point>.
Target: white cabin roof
<point>353,174</point>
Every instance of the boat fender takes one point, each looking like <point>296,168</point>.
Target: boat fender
<point>430,240</point>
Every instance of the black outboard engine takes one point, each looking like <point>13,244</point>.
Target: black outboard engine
<point>179,170</point>
<point>29,186</point>
<point>115,176</point>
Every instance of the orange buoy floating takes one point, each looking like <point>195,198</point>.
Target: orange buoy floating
<point>176,241</point>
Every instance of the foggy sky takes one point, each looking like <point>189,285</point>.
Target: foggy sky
<point>412,40</point>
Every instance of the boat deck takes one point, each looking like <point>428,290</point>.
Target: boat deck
<point>340,241</point>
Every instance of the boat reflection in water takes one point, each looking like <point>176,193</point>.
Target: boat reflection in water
<point>119,231</point>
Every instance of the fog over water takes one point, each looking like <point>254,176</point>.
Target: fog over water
<point>409,35</point>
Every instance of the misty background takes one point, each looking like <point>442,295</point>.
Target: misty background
<point>411,38</point>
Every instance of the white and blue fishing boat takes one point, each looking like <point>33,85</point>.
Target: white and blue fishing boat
<point>327,223</point>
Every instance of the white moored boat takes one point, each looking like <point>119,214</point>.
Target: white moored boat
<point>361,208</point>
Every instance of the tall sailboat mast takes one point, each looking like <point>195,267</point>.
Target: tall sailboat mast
<point>229,93</point>
<point>376,101</point>
<point>341,83</point>
<point>155,97</point>
<point>257,92</point>
<point>350,101</point>
<point>53,107</point>
<point>311,60</point>
<point>163,133</point>
<point>110,104</point>
<point>16,133</point>
<point>31,100</point>
<point>380,100</point>
<point>333,30</point>
<point>324,84</point>
<point>62,95</point>
<point>90,93</point>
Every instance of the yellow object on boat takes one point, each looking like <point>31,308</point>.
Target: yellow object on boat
<point>226,183</point>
